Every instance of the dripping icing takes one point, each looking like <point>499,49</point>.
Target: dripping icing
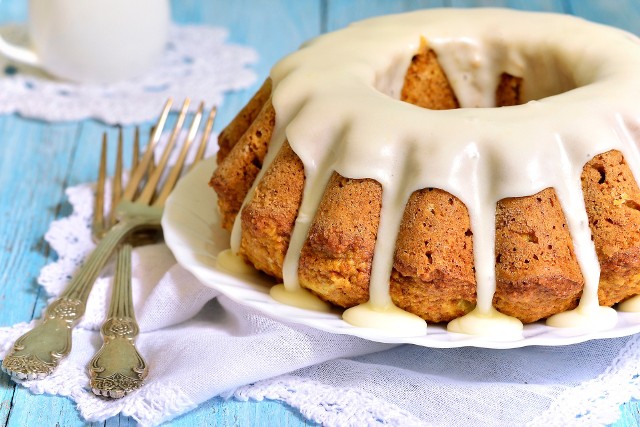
<point>298,297</point>
<point>632,305</point>
<point>388,318</point>
<point>346,78</point>
<point>229,261</point>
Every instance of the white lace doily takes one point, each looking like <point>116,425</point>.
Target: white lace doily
<point>197,63</point>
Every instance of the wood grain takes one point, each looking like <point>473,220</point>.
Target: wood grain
<point>39,160</point>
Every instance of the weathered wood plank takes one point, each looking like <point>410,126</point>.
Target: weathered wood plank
<point>623,14</point>
<point>35,159</point>
<point>540,5</point>
<point>340,13</point>
<point>34,162</point>
<point>272,28</point>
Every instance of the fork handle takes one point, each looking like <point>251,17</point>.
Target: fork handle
<point>37,353</point>
<point>118,368</point>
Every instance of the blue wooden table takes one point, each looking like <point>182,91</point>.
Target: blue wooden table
<point>38,160</point>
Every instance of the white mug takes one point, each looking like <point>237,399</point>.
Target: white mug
<point>93,41</point>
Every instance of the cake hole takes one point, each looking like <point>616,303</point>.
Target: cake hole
<point>427,84</point>
<point>601,171</point>
<point>468,233</point>
<point>530,237</point>
<point>256,162</point>
<point>429,258</point>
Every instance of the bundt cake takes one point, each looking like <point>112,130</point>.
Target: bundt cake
<point>466,166</point>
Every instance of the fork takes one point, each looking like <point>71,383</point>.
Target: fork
<point>118,368</point>
<point>37,353</point>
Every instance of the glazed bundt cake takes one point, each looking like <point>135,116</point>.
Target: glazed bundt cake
<point>344,176</point>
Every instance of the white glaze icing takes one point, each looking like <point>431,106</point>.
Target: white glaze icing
<point>298,297</point>
<point>227,260</point>
<point>590,317</point>
<point>491,323</point>
<point>336,102</point>
<point>388,318</point>
<point>632,305</point>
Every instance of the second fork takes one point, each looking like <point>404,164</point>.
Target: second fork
<point>38,352</point>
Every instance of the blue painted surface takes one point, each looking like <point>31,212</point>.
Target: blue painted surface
<point>38,160</point>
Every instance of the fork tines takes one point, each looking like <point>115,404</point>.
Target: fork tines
<point>145,175</point>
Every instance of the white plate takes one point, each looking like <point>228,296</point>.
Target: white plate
<point>192,232</point>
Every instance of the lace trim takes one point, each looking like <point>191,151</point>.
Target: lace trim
<point>330,406</point>
<point>618,384</point>
<point>151,405</point>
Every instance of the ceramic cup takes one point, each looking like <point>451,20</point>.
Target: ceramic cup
<point>93,41</point>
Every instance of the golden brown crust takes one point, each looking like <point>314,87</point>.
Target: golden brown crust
<point>335,262</point>
<point>537,273</point>
<point>433,273</point>
<point>268,218</point>
<point>235,175</point>
<point>425,83</point>
<point>612,199</point>
<point>239,125</point>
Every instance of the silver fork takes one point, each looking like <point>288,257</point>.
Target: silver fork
<point>38,352</point>
<point>118,368</point>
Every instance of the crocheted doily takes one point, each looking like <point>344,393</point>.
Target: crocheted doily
<point>197,63</point>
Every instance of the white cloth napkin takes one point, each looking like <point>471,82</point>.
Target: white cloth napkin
<point>200,344</point>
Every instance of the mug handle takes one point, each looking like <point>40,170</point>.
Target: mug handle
<point>18,53</point>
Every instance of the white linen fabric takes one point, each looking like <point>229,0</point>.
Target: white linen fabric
<point>197,63</point>
<point>200,344</point>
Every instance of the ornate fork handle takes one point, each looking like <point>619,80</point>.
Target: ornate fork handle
<point>118,368</point>
<point>37,353</point>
